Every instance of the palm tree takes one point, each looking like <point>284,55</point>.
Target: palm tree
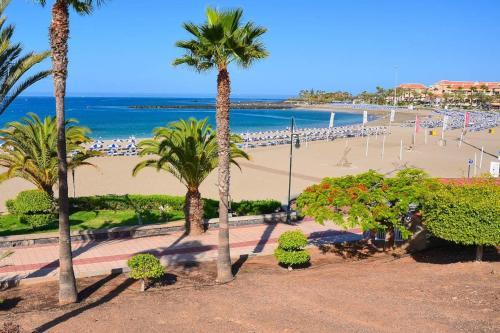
<point>31,150</point>
<point>13,65</point>
<point>187,150</point>
<point>59,34</point>
<point>78,159</point>
<point>222,40</point>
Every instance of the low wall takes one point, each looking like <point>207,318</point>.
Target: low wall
<point>132,231</point>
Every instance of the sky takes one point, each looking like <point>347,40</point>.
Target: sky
<point>126,47</point>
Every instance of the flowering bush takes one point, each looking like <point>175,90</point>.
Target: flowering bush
<point>369,200</point>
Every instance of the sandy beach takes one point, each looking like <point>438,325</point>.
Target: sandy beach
<point>401,115</point>
<point>266,174</point>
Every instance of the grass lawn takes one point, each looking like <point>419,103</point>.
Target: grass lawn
<point>87,220</point>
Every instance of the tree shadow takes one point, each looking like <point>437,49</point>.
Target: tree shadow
<point>9,303</point>
<point>357,250</point>
<point>319,238</point>
<point>259,247</point>
<point>451,253</point>
<point>53,265</point>
<point>184,255</point>
<point>167,280</point>
<point>89,290</point>
<point>264,238</point>
<point>108,297</point>
<point>236,266</point>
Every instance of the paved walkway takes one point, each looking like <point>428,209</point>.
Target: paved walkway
<point>104,257</point>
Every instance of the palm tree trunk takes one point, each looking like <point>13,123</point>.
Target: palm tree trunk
<point>59,33</point>
<point>73,179</point>
<point>224,273</point>
<point>193,210</point>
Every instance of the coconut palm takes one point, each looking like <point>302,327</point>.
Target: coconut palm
<point>187,150</point>
<point>221,40</point>
<point>59,35</point>
<point>30,150</point>
<point>14,65</point>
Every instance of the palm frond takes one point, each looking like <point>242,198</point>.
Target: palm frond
<point>221,40</point>
<point>31,149</point>
<point>187,149</point>
<point>13,65</point>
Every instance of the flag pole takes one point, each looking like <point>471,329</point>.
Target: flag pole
<point>383,147</point>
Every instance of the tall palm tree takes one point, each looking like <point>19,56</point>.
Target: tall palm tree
<point>187,150</point>
<point>14,66</point>
<point>221,40</point>
<point>59,34</point>
<point>30,150</point>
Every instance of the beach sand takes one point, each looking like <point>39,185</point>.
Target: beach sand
<point>266,175</point>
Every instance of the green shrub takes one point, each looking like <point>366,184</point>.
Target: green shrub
<point>466,214</point>
<point>122,202</point>
<point>292,258</point>
<point>144,203</point>
<point>11,206</point>
<point>145,267</point>
<point>210,208</point>
<point>290,250</point>
<point>292,240</point>
<point>34,208</point>
<point>33,202</point>
<point>38,221</point>
<point>255,207</point>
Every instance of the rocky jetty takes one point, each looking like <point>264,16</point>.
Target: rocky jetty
<point>234,105</point>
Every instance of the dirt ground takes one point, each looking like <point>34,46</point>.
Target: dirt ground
<point>434,291</point>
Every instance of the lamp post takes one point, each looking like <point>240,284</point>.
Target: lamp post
<point>297,145</point>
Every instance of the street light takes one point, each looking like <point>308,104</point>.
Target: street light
<point>297,145</point>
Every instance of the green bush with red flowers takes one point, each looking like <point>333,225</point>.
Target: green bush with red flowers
<point>369,200</point>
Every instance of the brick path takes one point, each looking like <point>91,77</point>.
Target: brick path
<point>104,257</point>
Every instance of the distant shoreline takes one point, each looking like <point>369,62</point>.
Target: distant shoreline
<point>235,105</point>
<point>281,105</point>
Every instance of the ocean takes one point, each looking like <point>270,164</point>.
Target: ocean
<point>111,117</point>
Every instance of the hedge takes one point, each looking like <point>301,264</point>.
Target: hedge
<point>255,207</point>
<point>38,221</point>
<point>35,208</point>
<point>11,206</point>
<point>465,214</point>
<point>122,202</point>
<point>33,202</point>
<point>153,202</point>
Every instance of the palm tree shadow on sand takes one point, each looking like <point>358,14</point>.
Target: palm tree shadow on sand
<point>85,293</point>
<point>259,247</point>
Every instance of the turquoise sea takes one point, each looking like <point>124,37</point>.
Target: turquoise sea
<point>111,117</point>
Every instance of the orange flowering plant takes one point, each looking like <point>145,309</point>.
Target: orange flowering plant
<point>369,200</point>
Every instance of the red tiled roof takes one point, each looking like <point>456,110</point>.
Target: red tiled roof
<point>468,84</point>
<point>412,86</point>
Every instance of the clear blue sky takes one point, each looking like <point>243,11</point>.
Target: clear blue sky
<point>126,47</point>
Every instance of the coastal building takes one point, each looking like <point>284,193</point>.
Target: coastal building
<point>459,93</point>
<point>412,92</point>
<point>467,87</point>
